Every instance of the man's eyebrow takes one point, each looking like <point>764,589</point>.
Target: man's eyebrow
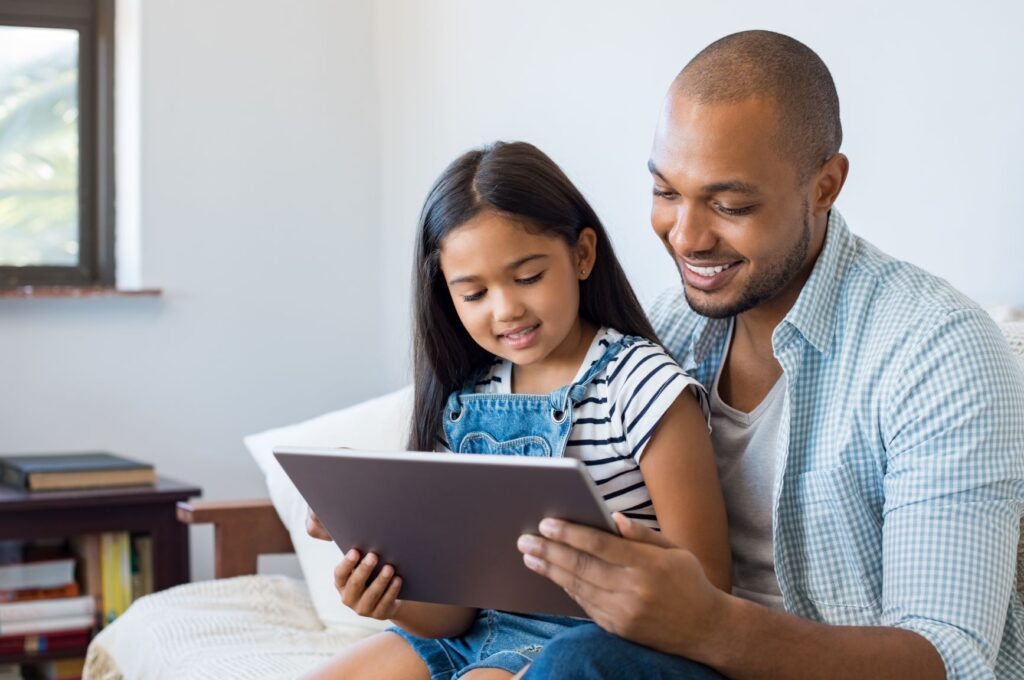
<point>515,264</point>
<point>733,186</point>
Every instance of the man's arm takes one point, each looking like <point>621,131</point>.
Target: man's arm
<point>645,590</point>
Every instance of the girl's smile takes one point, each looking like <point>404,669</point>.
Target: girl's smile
<point>521,337</point>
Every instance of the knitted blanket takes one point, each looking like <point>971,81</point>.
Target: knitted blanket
<point>247,627</point>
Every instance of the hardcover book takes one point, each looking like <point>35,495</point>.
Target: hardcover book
<point>74,471</point>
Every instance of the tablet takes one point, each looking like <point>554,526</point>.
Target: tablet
<point>449,522</point>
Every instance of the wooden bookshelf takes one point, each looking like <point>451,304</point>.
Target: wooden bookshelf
<point>31,515</point>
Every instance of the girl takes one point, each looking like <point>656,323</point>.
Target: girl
<point>530,341</point>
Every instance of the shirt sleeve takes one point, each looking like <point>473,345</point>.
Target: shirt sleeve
<point>954,492</point>
<point>642,383</point>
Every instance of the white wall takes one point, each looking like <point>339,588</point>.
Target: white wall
<point>929,92</point>
<point>259,221</point>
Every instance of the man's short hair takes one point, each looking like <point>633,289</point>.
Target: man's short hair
<point>780,68</point>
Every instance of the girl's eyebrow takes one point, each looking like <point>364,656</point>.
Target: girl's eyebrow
<point>515,264</point>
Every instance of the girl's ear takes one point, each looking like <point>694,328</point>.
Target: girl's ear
<point>586,253</point>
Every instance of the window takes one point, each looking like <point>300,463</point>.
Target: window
<point>56,143</point>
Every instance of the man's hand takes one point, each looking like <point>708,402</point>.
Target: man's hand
<point>314,528</point>
<point>639,587</point>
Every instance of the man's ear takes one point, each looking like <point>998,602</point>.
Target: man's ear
<point>586,253</point>
<point>828,183</point>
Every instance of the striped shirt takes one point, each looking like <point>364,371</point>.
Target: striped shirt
<point>619,412</point>
<point>899,477</point>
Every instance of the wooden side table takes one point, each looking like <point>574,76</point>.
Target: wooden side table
<point>28,515</point>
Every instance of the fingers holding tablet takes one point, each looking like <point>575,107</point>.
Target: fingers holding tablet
<point>367,594</point>
<point>314,527</point>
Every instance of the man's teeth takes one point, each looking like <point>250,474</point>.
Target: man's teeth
<point>707,271</point>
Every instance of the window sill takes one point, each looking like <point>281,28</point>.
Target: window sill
<point>28,292</point>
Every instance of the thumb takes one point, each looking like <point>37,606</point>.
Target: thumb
<point>635,531</point>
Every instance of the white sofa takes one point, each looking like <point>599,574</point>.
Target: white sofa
<point>264,627</point>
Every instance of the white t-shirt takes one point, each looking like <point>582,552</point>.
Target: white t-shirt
<point>620,409</point>
<point>746,447</point>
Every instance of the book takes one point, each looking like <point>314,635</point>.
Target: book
<point>77,622</point>
<point>115,573</point>
<point>48,472</point>
<point>87,551</point>
<point>41,642</point>
<point>42,574</point>
<point>29,594</point>
<point>61,669</point>
<point>40,610</point>
<point>142,565</point>
<point>124,555</point>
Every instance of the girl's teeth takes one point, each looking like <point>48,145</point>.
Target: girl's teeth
<point>708,271</point>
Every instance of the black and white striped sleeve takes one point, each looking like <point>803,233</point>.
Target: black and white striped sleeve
<point>642,384</point>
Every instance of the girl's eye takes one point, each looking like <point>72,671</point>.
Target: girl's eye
<point>472,297</point>
<point>663,193</point>
<point>530,279</point>
<point>745,210</point>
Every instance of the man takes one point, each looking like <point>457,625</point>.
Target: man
<point>868,420</point>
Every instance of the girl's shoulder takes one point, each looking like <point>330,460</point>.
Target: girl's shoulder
<point>636,356</point>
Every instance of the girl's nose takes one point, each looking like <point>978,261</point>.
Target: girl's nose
<point>507,306</point>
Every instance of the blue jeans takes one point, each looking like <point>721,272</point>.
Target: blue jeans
<point>495,640</point>
<point>589,653</point>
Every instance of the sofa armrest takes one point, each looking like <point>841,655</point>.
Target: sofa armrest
<point>242,531</point>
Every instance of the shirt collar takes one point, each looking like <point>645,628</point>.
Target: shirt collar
<point>814,312</point>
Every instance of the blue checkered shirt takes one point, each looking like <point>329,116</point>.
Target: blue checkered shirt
<point>899,484</point>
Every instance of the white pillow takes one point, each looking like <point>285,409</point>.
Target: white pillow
<point>381,423</point>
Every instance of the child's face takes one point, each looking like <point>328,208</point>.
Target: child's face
<point>517,293</point>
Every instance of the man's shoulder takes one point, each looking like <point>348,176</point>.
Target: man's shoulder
<point>890,300</point>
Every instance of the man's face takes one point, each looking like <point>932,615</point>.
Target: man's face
<point>729,208</point>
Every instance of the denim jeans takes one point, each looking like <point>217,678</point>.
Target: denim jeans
<point>589,653</point>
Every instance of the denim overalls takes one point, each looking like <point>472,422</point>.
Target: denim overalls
<point>515,425</point>
<point>519,424</point>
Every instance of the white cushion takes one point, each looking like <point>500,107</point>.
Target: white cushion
<point>381,423</point>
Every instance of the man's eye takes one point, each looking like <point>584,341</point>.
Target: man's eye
<point>745,210</point>
<point>530,279</point>
<point>663,193</point>
<point>473,297</point>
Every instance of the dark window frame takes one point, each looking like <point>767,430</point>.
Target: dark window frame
<point>94,21</point>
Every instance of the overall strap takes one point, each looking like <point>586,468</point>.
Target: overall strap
<point>575,392</point>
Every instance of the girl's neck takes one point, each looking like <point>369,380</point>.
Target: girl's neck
<point>559,367</point>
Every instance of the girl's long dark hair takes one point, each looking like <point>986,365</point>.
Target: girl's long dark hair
<point>519,180</point>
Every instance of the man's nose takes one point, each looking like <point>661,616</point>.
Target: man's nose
<point>507,306</point>
<point>691,232</point>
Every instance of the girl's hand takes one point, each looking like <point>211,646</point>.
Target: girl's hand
<point>379,598</point>
<point>314,527</point>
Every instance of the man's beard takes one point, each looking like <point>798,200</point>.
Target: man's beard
<point>767,285</point>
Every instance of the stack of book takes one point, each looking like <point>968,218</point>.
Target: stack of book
<point>55,604</point>
<point>41,607</point>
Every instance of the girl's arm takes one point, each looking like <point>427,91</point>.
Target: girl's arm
<point>678,465</point>
<point>379,599</point>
